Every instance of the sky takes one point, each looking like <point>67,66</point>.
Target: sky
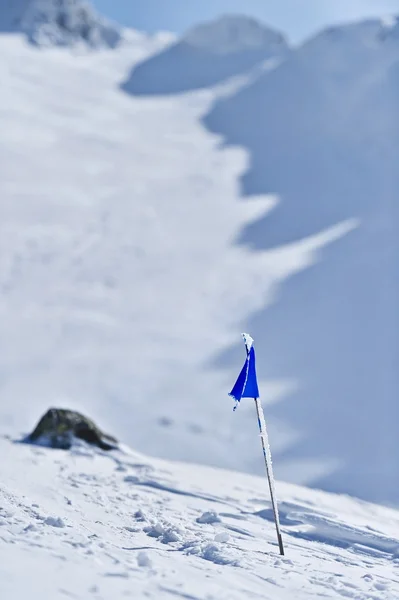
<point>298,19</point>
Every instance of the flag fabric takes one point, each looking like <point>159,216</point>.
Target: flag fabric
<point>246,385</point>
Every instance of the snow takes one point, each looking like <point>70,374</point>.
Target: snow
<point>208,55</point>
<point>322,132</point>
<point>58,23</point>
<point>248,341</point>
<point>390,23</point>
<point>231,34</point>
<point>269,465</point>
<point>112,525</point>
<point>129,264</point>
<point>120,278</point>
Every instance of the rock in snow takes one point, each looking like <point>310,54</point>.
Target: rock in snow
<point>59,427</point>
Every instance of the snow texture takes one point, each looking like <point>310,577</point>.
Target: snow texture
<point>68,531</point>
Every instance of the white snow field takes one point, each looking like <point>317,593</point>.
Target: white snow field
<point>119,275</point>
<point>85,524</point>
<point>322,133</point>
<point>322,130</point>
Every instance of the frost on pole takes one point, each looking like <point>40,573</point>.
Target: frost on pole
<point>246,386</point>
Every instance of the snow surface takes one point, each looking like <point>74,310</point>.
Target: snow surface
<point>122,288</point>
<point>322,130</point>
<point>231,34</point>
<point>86,524</point>
<point>207,55</point>
<point>120,279</point>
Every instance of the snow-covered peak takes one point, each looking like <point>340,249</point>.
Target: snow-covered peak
<point>390,27</point>
<point>350,39</point>
<point>235,33</point>
<point>390,21</point>
<point>206,56</point>
<point>58,22</point>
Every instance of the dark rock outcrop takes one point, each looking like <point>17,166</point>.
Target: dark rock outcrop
<point>58,428</point>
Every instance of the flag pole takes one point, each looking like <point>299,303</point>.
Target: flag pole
<point>246,386</point>
<point>269,469</point>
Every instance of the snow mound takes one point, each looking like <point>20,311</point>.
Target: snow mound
<point>207,55</point>
<point>58,23</point>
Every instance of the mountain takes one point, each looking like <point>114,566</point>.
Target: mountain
<point>322,132</point>
<point>89,524</point>
<point>120,282</point>
<point>129,262</point>
<point>58,22</point>
<point>207,55</point>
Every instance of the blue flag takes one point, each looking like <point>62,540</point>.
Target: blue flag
<point>246,385</point>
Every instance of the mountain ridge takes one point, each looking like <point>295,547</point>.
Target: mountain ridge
<point>207,55</point>
<point>58,23</point>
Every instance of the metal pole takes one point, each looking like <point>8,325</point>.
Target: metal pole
<point>269,469</point>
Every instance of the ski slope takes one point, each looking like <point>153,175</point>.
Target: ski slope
<point>86,524</point>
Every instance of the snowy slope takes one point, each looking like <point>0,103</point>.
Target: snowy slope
<point>58,22</point>
<point>87,525</point>
<point>120,279</point>
<point>207,55</point>
<point>322,130</point>
<point>121,286</point>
